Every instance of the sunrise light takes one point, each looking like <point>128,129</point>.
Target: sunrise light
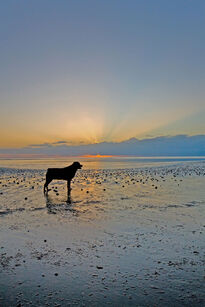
<point>98,156</point>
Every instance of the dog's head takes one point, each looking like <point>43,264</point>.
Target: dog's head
<point>77,165</point>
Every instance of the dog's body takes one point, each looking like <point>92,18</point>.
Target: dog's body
<point>66,173</point>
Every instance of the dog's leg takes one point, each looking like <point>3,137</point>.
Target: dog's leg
<point>68,201</point>
<point>44,188</point>
<point>48,180</point>
<point>68,186</point>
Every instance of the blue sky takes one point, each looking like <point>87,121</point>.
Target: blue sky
<point>95,71</point>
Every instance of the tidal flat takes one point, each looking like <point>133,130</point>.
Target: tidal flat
<point>123,237</point>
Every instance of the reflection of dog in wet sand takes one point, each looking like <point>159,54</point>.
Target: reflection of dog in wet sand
<point>66,173</point>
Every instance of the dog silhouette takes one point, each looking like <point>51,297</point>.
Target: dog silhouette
<point>66,173</point>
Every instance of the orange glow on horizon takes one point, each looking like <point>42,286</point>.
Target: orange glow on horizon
<point>98,156</point>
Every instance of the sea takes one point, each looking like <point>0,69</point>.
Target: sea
<point>115,162</point>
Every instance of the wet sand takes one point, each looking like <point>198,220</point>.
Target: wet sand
<point>124,237</point>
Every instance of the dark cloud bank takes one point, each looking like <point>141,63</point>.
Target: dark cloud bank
<point>180,145</point>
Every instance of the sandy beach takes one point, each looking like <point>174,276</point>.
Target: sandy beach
<point>124,237</point>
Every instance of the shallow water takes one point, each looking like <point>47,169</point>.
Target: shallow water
<point>115,162</point>
<point>131,236</point>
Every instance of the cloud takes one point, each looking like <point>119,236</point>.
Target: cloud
<point>59,142</point>
<point>39,145</point>
<point>179,145</point>
<point>48,144</point>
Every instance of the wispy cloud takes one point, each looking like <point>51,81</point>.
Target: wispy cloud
<point>39,145</point>
<point>59,142</point>
<point>49,144</point>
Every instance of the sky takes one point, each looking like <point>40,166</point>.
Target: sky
<point>86,72</point>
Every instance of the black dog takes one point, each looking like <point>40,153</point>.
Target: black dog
<point>66,173</point>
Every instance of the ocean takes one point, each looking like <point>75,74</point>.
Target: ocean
<point>114,162</point>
